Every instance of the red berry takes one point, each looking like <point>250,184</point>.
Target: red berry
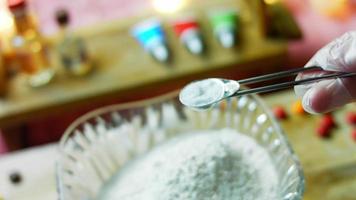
<point>279,112</point>
<point>328,121</point>
<point>323,131</point>
<point>351,118</point>
<point>353,135</point>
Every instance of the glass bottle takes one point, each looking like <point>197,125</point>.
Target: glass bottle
<point>29,46</point>
<point>72,50</point>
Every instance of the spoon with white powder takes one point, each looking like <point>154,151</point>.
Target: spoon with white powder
<point>204,94</point>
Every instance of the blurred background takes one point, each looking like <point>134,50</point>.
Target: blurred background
<point>272,35</point>
<point>60,59</point>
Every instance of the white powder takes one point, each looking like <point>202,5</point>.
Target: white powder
<point>221,165</point>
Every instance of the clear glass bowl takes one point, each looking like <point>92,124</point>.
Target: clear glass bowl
<point>90,154</point>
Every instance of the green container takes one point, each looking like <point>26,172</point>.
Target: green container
<point>224,19</point>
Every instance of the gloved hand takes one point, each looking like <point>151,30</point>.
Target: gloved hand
<point>326,95</point>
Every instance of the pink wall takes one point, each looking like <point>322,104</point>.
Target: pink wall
<point>85,12</point>
<point>318,30</point>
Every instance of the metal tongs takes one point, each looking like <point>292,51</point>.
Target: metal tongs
<point>205,93</point>
<point>287,73</point>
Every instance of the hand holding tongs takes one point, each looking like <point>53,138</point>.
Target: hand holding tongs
<point>205,93</point>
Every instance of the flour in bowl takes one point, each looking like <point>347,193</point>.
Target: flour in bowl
<point>201,165</point>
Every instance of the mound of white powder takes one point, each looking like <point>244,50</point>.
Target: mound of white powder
<point>217,165</point>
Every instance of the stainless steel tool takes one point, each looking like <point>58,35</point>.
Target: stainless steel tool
<point>203,94</point>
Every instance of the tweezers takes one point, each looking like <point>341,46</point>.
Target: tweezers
<point>284,85</point>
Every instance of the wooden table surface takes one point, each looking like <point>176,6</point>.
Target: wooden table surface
<point>329,164</point>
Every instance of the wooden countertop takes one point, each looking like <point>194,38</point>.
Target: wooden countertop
<point>329,164</point>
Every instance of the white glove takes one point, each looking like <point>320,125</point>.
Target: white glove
<point>326,95</point>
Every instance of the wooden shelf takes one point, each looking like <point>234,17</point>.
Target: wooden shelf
<point>123,68</point>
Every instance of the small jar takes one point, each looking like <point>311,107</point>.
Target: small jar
<point>29,47</point>
<point>72,51</point>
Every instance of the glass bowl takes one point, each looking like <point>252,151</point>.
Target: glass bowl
<point>90,154</point>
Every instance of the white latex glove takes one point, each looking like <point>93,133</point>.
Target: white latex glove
<point>326,95</point>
